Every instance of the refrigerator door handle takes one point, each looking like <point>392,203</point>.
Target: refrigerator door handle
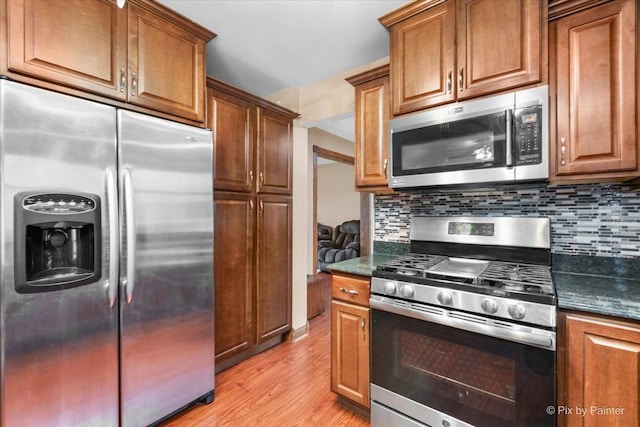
<point>129,281</point>
<point>114,250</point>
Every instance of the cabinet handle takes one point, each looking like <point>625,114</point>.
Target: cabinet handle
<point>364,332</point>
<point>349,291</point>
<point>449,81</point>
<point>562,151</point>
<point>461,80</point>
<point>261,179</point>
<point>386,162</point>
<point>261,208</point>
<point>250,179</point>
<point>123,81</point>
<point>250,207</point>
<point>134,84</point>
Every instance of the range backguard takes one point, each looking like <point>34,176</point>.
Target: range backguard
<point>57,241</point>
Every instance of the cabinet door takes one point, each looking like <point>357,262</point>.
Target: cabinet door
<point>275,151</point>
<point>233,272</point>
<point>233,122</point>
<point>50,40</point>
<point>423,59</point>
<point>594,66</point>
<point>499,45</point>
<point>603,371</point>
<point>273,266</point>
<point>372,115</point>
<point>166,66</point>
<point>350,351</point>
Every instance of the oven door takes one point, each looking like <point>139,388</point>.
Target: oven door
<point>441,375</point>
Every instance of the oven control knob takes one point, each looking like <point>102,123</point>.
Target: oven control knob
<point>406,291</point>
<point>517,311</point>
<point>445,298</point>
<point>489,306</point>
<point>390,287</point>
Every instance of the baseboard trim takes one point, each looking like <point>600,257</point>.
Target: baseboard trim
<point>297,334</point>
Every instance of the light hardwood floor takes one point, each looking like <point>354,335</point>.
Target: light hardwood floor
<point>288,385</point>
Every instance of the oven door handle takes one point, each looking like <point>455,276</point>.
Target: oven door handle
<point>494,328</point>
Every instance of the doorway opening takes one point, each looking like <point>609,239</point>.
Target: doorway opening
<point>363,207</point>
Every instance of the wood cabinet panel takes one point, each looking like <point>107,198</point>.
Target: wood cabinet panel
<point>233,275</point>
<point>603,371</point>
<point>232,115</point>
<point>423,59</point>
<point>445,50</point>
<point>350,352</point>
<point>166,66</point>
<point>52,40</point>
<point>144,57</point>
<point>595,85</point>
<point>233,123</point>
<point>490,60</point>
<point>372,132</point>
<point>275,153</point>
<point>352,289</point>
<point>273,266</point>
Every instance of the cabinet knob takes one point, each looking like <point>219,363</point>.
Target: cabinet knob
<point>562,151</point>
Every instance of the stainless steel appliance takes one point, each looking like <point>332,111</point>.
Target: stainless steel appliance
<point>106,238</point>
<point>463,327</point>
<point>503,138</point>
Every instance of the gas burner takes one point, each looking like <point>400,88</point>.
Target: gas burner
<point>514,277</point>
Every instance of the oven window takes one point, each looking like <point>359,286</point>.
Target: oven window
<point>473,143</point>
<point>478,379</point>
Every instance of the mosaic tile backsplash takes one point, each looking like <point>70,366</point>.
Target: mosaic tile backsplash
<point>596,220</point>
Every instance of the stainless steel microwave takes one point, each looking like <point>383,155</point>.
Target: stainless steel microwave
<point>498,139</point>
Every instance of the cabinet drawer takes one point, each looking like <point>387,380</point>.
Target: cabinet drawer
<point>353,289</point>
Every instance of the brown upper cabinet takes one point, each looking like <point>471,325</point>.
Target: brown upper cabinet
<point>446,50</point>
<point>143,54</point>
<point>371,118</point>
<point>253,141</point>
<point>593,76</point>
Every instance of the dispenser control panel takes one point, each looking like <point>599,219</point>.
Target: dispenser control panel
<point>58,203</point>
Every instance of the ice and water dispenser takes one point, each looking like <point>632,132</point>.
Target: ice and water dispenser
<point>57,241</point>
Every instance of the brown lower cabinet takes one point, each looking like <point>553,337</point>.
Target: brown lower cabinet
<point>598,371</point>
<point>350,337</point>
<point>252,274</point>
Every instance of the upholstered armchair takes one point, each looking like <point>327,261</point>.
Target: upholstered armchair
<point>344,244</point>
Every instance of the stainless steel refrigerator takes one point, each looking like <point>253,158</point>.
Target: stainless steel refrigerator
<point>106,250</point>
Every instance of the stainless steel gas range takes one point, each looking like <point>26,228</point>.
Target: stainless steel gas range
<point>463,329</point>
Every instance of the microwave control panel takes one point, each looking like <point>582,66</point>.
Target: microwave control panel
<point>527,135</point>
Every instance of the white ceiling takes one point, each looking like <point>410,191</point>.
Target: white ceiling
<point>264,46</point>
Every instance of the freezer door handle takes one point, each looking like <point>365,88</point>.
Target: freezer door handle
<point>129,279</point>
<point>112,203</point>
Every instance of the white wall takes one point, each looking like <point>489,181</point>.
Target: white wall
<point>337,199</point>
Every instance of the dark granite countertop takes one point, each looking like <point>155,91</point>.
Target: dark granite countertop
<point>600,285</point>
<point>362,266</point>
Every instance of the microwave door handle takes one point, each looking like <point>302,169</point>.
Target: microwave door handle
<point>509,138</point>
